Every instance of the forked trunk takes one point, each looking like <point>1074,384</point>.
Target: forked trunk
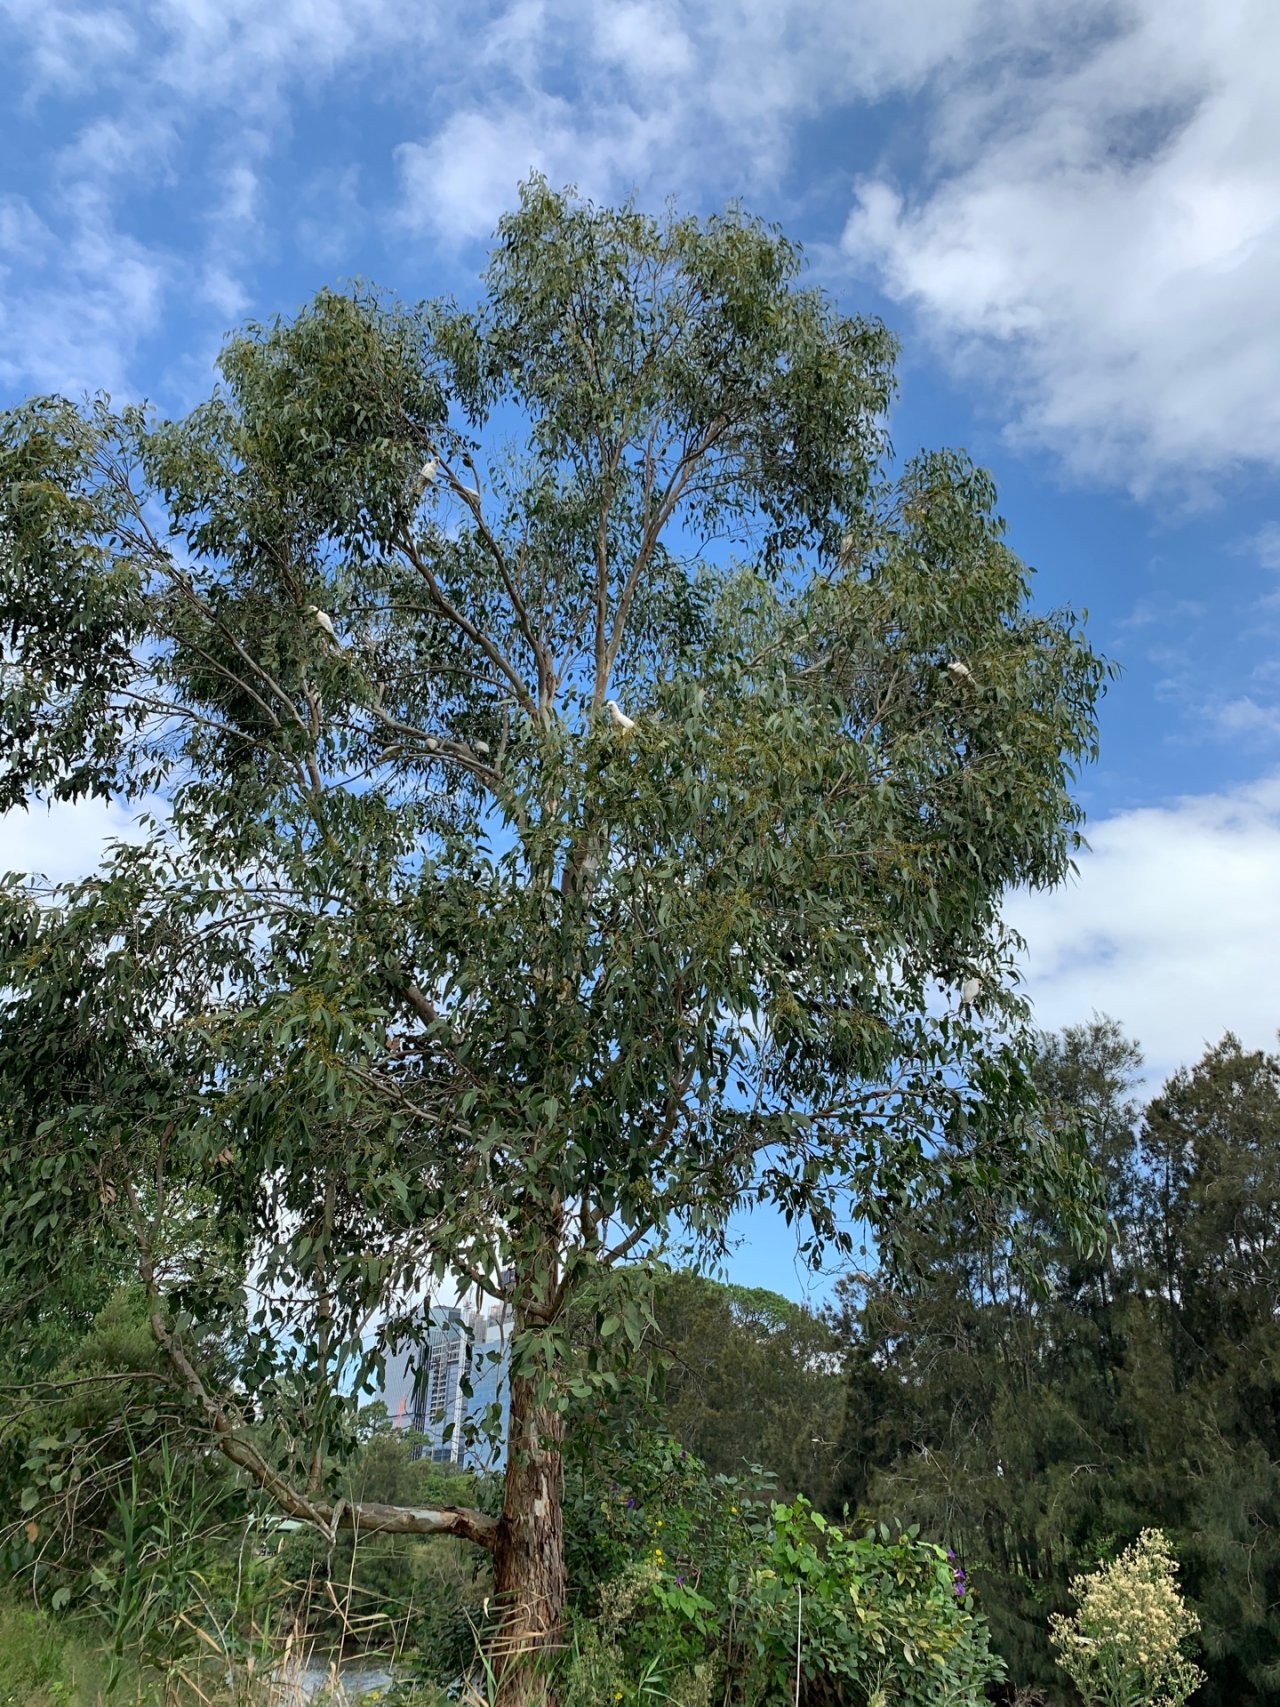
<point>528,1560</point>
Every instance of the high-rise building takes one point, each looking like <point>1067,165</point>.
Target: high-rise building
<point>447,1383</point>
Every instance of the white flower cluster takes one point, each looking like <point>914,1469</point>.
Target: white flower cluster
<point>1125,1646</point>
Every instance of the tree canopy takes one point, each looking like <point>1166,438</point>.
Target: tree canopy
<point>1040,1427</point>
<point>427,965</point>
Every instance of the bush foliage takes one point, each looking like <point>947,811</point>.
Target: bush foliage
<point>707,1581</point>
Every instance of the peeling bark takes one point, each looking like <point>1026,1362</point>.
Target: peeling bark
<point>528,1559</point>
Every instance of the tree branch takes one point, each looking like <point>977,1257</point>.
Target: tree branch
<point>520,610</point>
<point>680,477</point>
<point>464,625</point>
<point>328,1516</point>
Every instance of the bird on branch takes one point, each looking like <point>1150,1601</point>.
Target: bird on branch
<point>426,477</point>
<point>470,494</point>
<point>618,717</point>
<point>961,674</point>
<point>324,621</point>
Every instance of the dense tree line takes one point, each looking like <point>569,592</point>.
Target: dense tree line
<point>1030,1405</point>
<point>1038,1407</point>
<point>1035,1407</point>
<point>750,1379</point>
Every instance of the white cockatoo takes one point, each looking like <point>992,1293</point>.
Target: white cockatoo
<point>429,470</point>
<point>961,673</point>
<point>481,747</point>
<point>470,493</point>
<point>325,621</point>
<point>969,991</point>
<point>848,548</point>
<point>618,717</point>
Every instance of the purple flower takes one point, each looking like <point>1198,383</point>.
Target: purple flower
<point>959,1582</point>
<point>950,1554</point>
<point>631,1500</point>
<point>680,1578</point>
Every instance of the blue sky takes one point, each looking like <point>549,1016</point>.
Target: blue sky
<point>1069,214</point>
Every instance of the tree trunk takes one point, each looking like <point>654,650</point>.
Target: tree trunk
<point>528,1560</point>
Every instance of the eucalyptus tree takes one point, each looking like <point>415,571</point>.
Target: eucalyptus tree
<point>431,964</point>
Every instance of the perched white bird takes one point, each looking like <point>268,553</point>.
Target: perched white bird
<point>325,621</point>
<point>848,546</point>
<point>969,991</point>
<point>481,747</point>
<point>428,474</point>
<point>960,673</point>
<point>618,717</point>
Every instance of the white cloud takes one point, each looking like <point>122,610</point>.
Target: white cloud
<point>460,181</point>
<point>70,44</point>
<point>1173,926</point>
<point>24,236</point>
<point>665,97</point>
<point>1100,234</point>
<point>209,51</point>
<point>234,225</point>
<point>658,96</point>
<point>134,146</point>
<point>184,92</point>
<point>65,841</point>
<point>239,202</point>
<point>646,41</point>
<point>1244,716</point>
<point>1265,546</point>
<point>77,299</point>
<point>1148,612</point>
<point>1097,228</point>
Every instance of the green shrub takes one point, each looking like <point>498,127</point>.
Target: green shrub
<point>690,1588</point>
<point>875,1618</point>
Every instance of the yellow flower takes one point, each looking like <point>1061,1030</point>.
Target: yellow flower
<point>1130,1610</point>
<point>657,1553</point>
